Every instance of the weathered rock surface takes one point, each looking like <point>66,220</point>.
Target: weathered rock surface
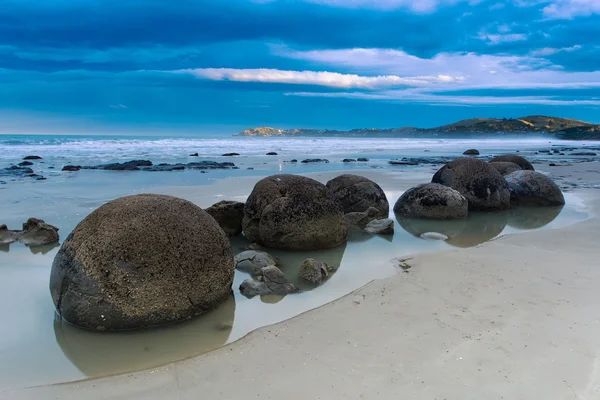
<point>141,261</point>
<point>270,281</point>
<point>530,188</point>
<point>432,201</point>
<point>35,232</point>
<point>252,261</point>
<point>482,186</point>
<point>380,226</point>
<point>229,215</point>
<point>505,167</point>
<point>314,271</point>
<point>315,160</point>
<point>513,158</point>
<point>358,194</point>
<point>471,152</point>
<point>361,219</point>
<point>295,213</point>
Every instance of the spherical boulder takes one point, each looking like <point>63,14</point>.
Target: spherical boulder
<point>505,167</point>
<point>530,188</point>
<point>357,194</point>
<point>295,213</point>
<point>141,261</point>
<point>432,201</point>
<point>513,158</point>
<point>482,186</point>
<point>471,152</point>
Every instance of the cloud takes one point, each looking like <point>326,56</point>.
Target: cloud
<point>318,78</point>
<point>549,51</point>
<point>420,6</point>
<point>569,9</point>
<point>118,106</point>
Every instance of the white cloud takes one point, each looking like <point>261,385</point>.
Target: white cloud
<point>418,6</point>
<point>319,78</point>
<point>548,51</point>
<point>568,9</point>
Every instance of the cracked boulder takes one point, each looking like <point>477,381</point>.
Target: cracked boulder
<point>252,261</point>
<point>294,213</point>
<point>141,261</point>
<point>358,194</point>
<point>269,281</point>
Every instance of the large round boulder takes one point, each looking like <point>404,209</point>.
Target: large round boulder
<point>295,213</point>
<point>513,158</point>
<point>505,167</point>
<point>141,261</point>
<point>482,186</point>
<point>530,188</point>
<point>357,194</point>
<point>432,201</point>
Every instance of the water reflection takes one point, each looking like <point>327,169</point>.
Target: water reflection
<point>43,249</point>
<point>532,217</point>
<point>106,353</point>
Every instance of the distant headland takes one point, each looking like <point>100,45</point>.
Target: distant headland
<point>562,128</point>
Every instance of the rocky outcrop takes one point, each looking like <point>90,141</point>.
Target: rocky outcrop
<point>269,281</point>
<point>482,186</point>
<point>230,154</point>
<point>505,167</point>
<point>315,160</point>
<point>314,271</point>
<point>32,158</point>
<point>141,261</point>
<point>25,164</point>
<point>362,159</point>
<point>252,261</point>
<point>361,219</point>
<point>380,226</point>
<point>16,171</point>
<point>530,188</point>
<point>71,168</point>
<point>358,194</point>
<point>432,201</point>
<point>471,152</point>
<point>295,213</point>
<point>229,215</point>
<point>271,153</point>
<point>348,160</point>
<point>35,232</point>
<point>133,165</point>
<point>513,158</point>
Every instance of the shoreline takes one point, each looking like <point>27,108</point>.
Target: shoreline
<point>186,376</point>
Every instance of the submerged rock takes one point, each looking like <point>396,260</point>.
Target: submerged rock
<point>252,261</point>
<point>292,161</point>
<point>513,158</point>
<point>432,201</point>
<point>295,213</point>
<point>380,226</point>
<point>32,158</point>
<point>530,188</point>
<point>271,153</point>
<point>362,159</point>
<point>71,168</point>
<point>584,153</point>
<point>361,219</point>
<point>133,165</point>
<point>25,164</point>
<point>348,160</point>
<point>471,152</point>
<point>314,271</point>
<point>482,186</point>
<point>315,160</point>
<point>270,281</point>
<point>357,194</point>
<point>16,171</point>
<point>230,154</point>
<point>505,167</point>
<point>229,215</point>
<point>141,261</point>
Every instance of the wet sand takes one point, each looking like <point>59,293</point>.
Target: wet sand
<point>516,318</point>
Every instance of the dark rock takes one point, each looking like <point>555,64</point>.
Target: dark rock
<point>210,165</point>
<point>249,168</point>
<point>545,151</point>
<point>270,281</point>
<point>252,261</point>
<point>314,271</point>
<point>380,226</point>
<point>36,232</point>
<point>584,153</point>
<point>32,158</point>
<point>141,261</point>
<point>133,165</point>
<point>315,160</point>
<point>348,160</point>
<point>357,194</point>
<point>362,159</point>
<point>396,162</point>
<point>530,188</point>
<point>71,168</point>
<point>16,171</point>
<point>41,178</point>
<point>25,164</point>
<point>482,186</point>
<point>194,155</point>
<point>293,212</point>
<point>520,161</point>
<point>471,152</point>
<point>505,167</point>
<point>229,215</point>
<point>552,165</point>
<point>432,201</point>
<point>230,154</point>
<point>165,167</point>
<point>292,161</point>
<point>361,219</point>
<point>271,153</point>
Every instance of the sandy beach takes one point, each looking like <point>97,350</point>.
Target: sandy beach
<point>515,318</point>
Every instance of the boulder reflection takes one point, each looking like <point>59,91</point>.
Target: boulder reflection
<point>107,353</point>
<point>532,217</point>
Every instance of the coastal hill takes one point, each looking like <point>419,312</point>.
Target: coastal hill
<point>563,128</point>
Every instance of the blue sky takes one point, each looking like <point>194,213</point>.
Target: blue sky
<point>145,66</point>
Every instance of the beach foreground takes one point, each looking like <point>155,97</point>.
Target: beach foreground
<point>515,318</point>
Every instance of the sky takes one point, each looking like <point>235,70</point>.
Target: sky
<point>146,66</point>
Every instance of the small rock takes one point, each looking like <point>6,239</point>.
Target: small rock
<point>471,152</point>
<point>552,165</point>
<point>252,261</point>
<point>270,281</point>
<point>434,236</point>
<point>230,154</point>
<point>584,153</point>
<point>32,158</point>
<point>271,153</point>
<point>361,219</point>
<point>292,161</point>
<point>71,168</point>
<point>362,159</point>
<point>380,226</point>
<point>348,160</point>
<point>315,160</point>
<point>194,155</point>
<point>314,271</point>
<point>25,164</point>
